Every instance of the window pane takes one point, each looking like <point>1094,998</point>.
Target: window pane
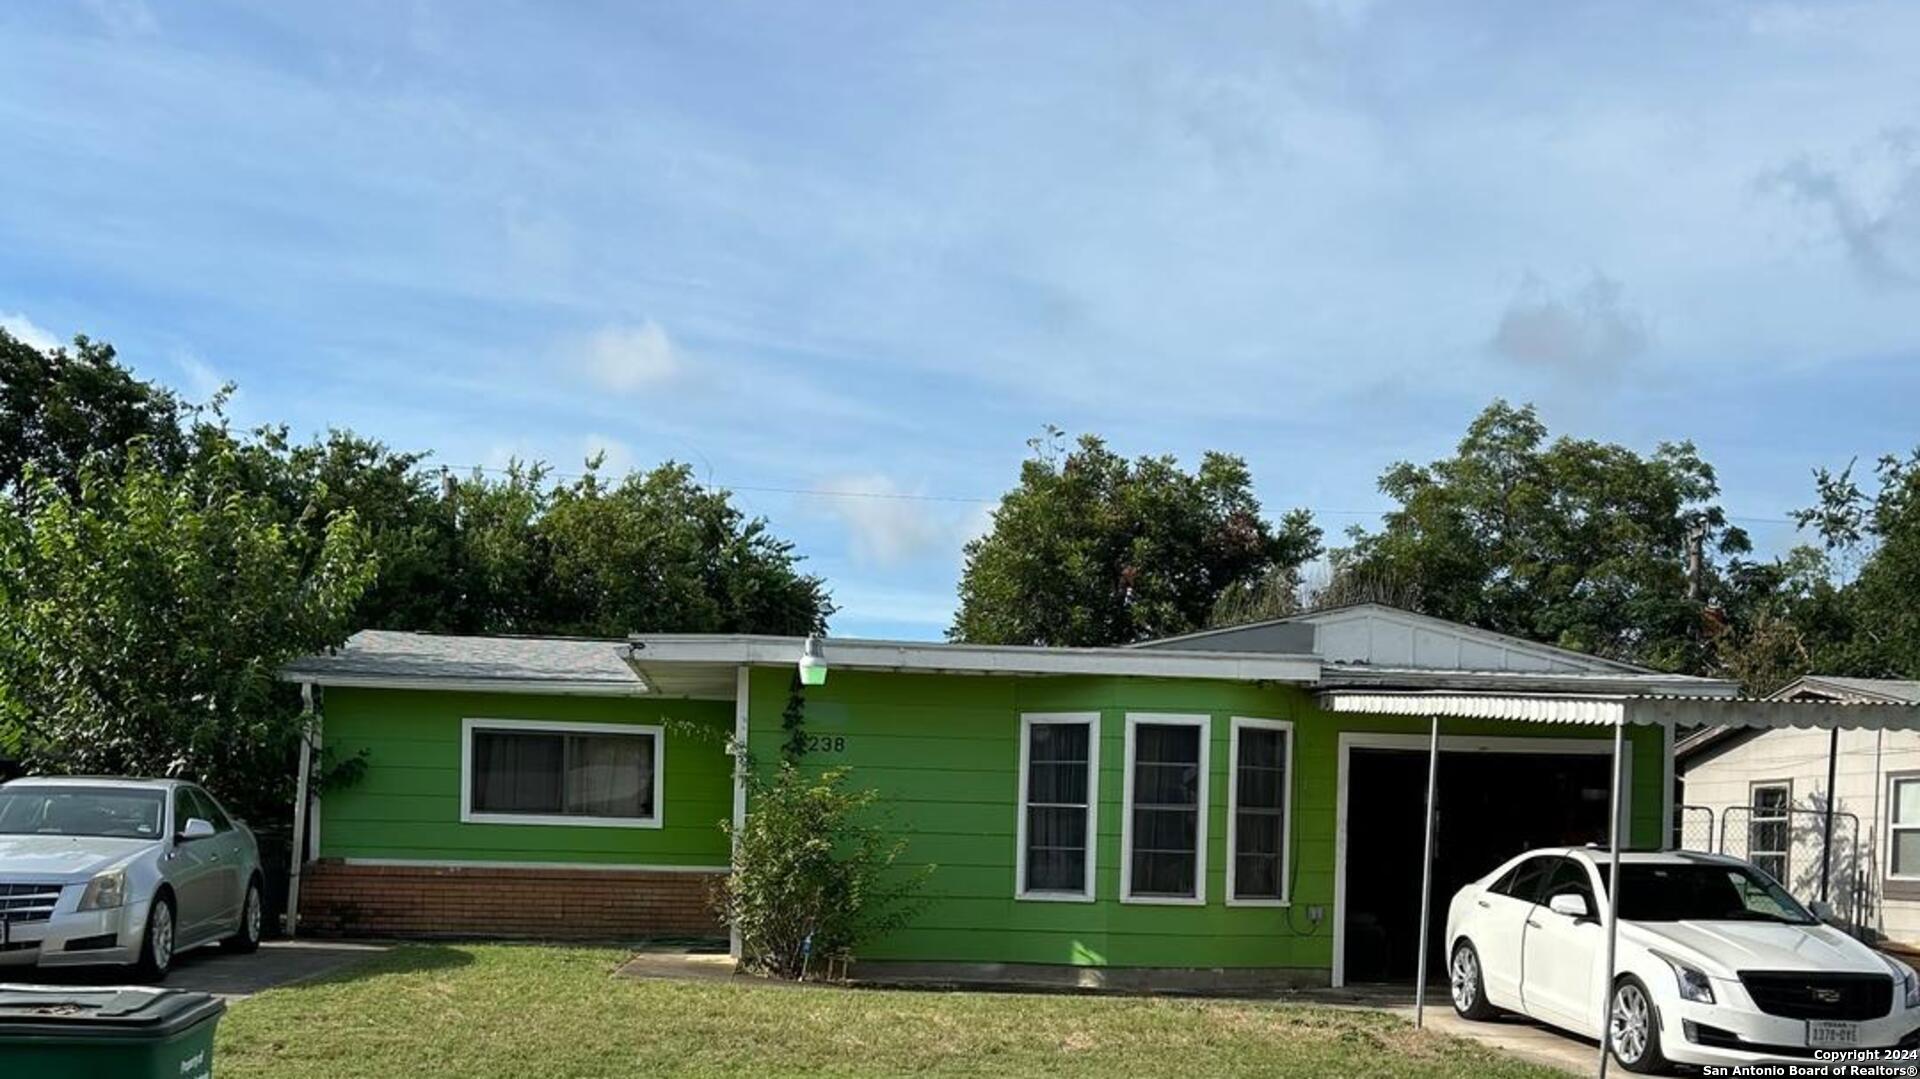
<point>610,775</point>
<point>1057,784</point>
<point>1906,801</point>
<point>517,773</point>
<point>1256,876</point>
<point>1056,849</point>
<point>1906,853</point>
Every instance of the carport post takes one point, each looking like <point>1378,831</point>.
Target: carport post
<point>1426,879</point>
<point>298,852</point>
<point>1826,837</point>
<point>1613,893</point>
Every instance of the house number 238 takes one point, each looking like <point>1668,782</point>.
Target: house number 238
<point>826,743</point>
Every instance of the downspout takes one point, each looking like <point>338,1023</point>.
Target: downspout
<point>1426,878</point>
<point>309,719</point>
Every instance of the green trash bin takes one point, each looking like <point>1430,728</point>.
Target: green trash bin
<point>75,1032</point>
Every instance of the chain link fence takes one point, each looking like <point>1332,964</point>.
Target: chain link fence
<point>1693,828</point>
<point>1791,844</point>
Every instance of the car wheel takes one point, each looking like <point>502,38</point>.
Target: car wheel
<point>1633,1028</point>
<point>246,936</point>
<point>1467,985</point>
<point>156,947</point>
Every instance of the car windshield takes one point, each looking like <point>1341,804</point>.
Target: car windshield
<point>1704,892</point>
<point>81,811</point>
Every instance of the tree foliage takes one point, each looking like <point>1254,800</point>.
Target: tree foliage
<point>59,407</point>
<point>144,617</point>
<point>1094,549</point>
<point>160,567</point>
<point>1573,542</point>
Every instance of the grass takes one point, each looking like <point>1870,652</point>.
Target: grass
<point>505,1010</point>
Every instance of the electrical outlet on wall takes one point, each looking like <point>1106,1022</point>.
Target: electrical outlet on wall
<point>1314,914</point>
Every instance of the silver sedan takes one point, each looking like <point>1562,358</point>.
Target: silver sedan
<point>122,872</point>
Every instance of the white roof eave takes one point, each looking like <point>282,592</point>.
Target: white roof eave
<point>942,658</point>
<point>1639,709</point>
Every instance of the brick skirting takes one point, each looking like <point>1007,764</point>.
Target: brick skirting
<point>339,899</point>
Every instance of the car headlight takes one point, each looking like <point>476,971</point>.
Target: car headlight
<point>1694,983</point>
<point>105,891</point>
<point>1908,980</point>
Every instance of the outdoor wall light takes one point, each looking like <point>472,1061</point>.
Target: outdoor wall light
<point>813,665</point>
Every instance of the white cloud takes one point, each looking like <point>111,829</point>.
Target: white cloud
<point>886,524</point>
<point>627,359</point>
<point>203,380</point>
<point>1587,331</point>
<point>618,455</point>
<point>26,330</point>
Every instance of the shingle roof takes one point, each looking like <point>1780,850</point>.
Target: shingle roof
<point>1892,689</point>
<point>377,655</point>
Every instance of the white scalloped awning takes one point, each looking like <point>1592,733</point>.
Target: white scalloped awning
<point>1594,710</point>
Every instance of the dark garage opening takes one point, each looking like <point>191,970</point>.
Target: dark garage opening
<point>1491,807</point>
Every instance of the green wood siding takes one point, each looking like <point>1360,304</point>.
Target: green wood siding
<point>945,752</point>
<point>407,804</point>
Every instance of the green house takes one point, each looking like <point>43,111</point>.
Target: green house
<point>1229,809</point>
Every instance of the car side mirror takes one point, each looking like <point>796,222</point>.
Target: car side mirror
<point>196,828</point>
<point>1571,904</point>
<point>1821,909</point>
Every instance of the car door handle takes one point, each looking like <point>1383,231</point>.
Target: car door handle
<point>1531,924</point>
<point>1484,905</point>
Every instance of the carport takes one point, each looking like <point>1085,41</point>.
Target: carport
<point>1617,713</point>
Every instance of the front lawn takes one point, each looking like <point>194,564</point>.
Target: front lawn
<point>504,1010</point>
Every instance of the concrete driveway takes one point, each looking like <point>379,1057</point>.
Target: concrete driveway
<point>210,970</point>
<point>1519,1036</point>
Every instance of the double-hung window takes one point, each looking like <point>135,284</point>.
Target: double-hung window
<point>1260,782</point>
<point>1059,793</point>
<point>533,772</point>
<point>1769,831</point>
<point>1164,832</point>
<point>1903,827</point>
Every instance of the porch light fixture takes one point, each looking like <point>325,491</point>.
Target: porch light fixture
<point>813,665</point>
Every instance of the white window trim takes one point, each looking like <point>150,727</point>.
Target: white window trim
<point>469,816</point>
<point>1754,820</point>
<point>1893,829</point>
<point>1199,898</point>
<point>1091,720</point>
<point>1238,724</point>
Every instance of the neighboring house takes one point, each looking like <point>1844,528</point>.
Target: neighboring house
<point>1232,808</point>
<point>1767,791</point>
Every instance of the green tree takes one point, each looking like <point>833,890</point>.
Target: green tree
<point>1573,542</point>
<point>657,551</point>
<point>1869,625</point>
<point>144,618</point>
<point>1093,549</point>
<point>59,407</point>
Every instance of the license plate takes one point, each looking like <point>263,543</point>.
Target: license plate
<point>1828,1034</point>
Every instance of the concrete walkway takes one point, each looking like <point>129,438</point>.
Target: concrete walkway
<point>232,977</point>
<point>1519,1036</point>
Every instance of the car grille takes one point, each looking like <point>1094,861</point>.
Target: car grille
<point>1808,995</point>
<point>28,902</point>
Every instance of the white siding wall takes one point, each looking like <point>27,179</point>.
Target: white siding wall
<point>1801,756</point>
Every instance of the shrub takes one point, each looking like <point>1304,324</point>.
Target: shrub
<point>814,872</point>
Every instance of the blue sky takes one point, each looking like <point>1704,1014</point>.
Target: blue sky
<point>872,248</point>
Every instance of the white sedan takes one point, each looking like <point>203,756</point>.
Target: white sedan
<point>1717,964</point>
